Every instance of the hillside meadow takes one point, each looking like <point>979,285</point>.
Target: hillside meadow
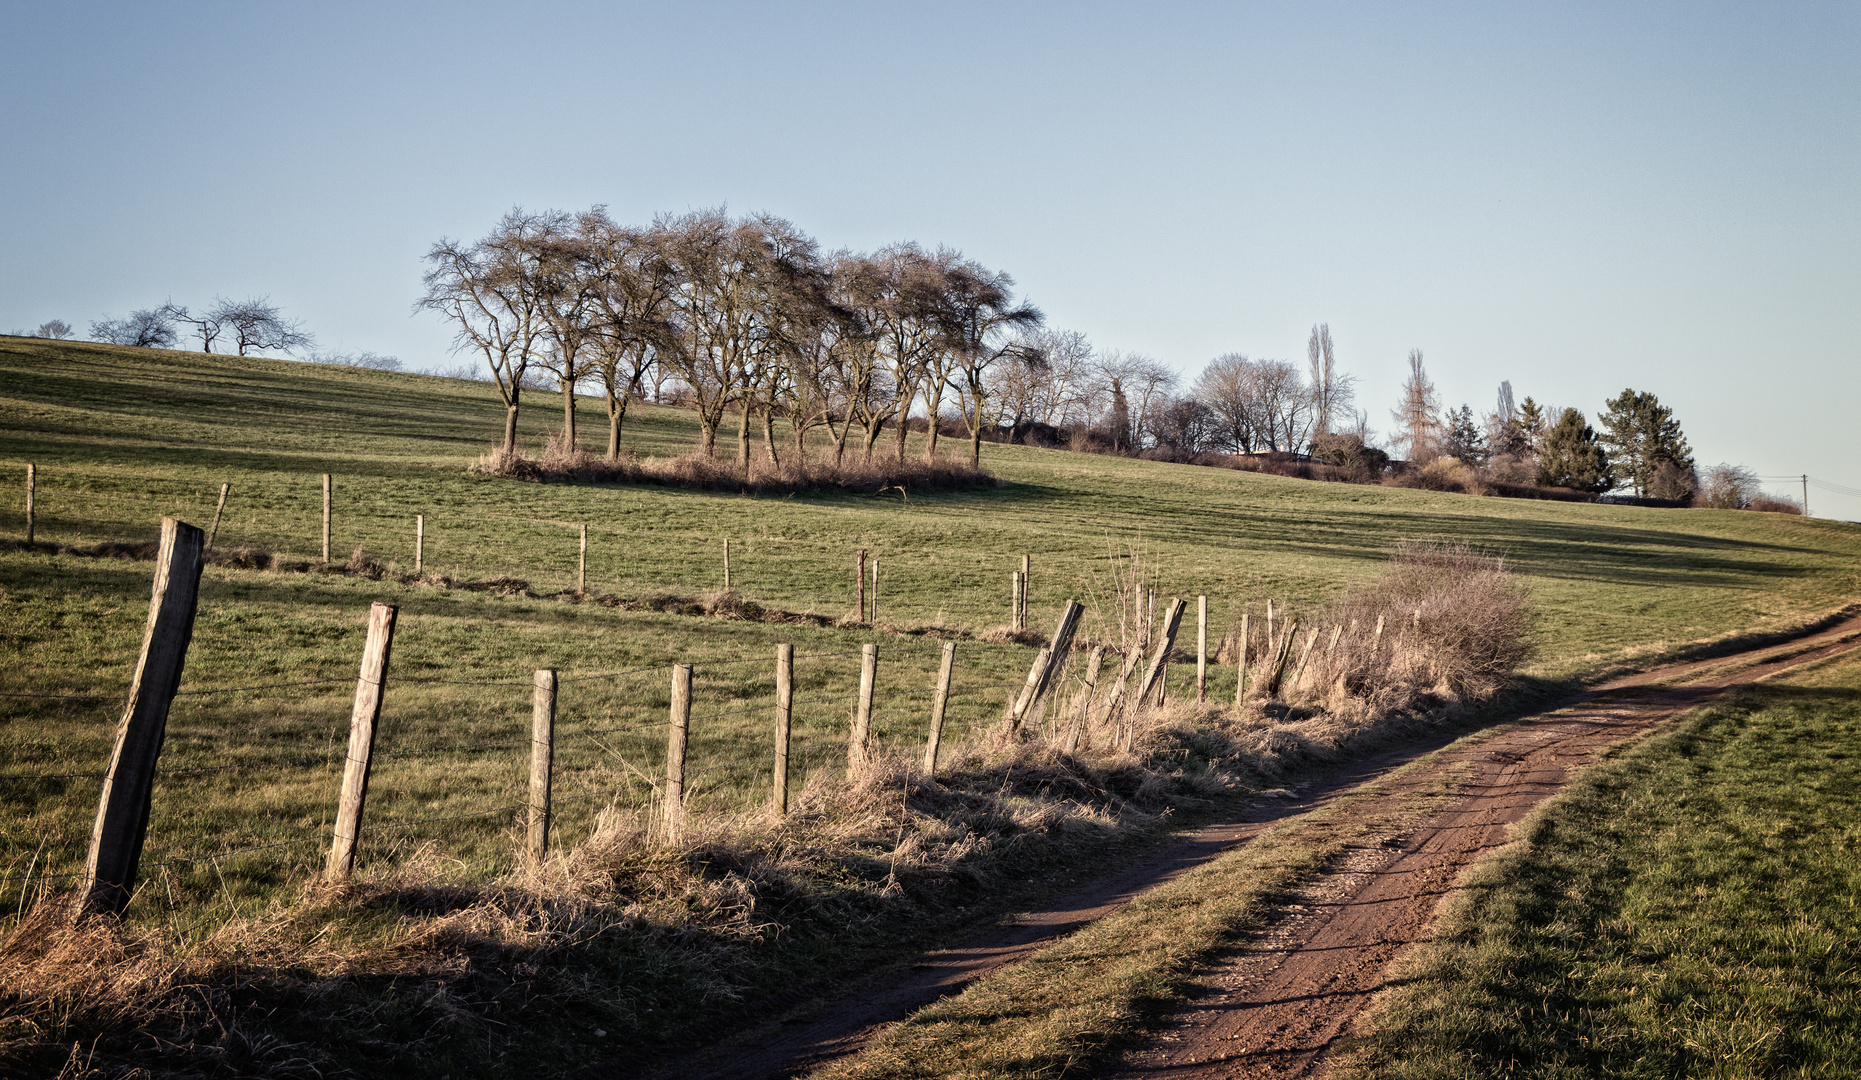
<point>122,437</point>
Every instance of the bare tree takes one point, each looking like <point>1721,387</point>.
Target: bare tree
<point>981,316</point>
<point>1418,418</point>
<point>1140,383</point>
<point>150,328</point>
<point>258,325</point>
<point>1227,388</point>
<point>629,287</point>
<point>487,292</point>
<point>208,324</point>
<point>54,329</point>
<point>556,257</point>
<point>1333,392</point>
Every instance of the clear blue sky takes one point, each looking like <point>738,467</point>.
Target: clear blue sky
<point>1578,198</point>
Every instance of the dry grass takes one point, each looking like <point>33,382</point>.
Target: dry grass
<point>819,473</point>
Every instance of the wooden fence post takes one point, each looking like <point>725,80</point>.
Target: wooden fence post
<point>1376,639</point>
<point>542,760</point>
<point>1160,659</point>
<point>784,717</point>
<point>32,499</point>
<point>1240,681</point>
<point>326,517</point>
<point>1305,657</point>
<point>1271,641</point>
<point>363,719</point>
<point>1015,586</point>
<point>1336,633</point>
<point>219,509</point>
<point>676,736</point>
<point>1027,581</point>
<point>859,583</point>
<point>581,567</point>
<point>419,543</point>
<point>1047,667</point>
<point>1201,649</point>
<point>726,564</point>
<point>860,738</point>
<point>1115,702</point>
<point>875,592</point>
<point>1085,698</point>
<point>939,701</point>
<point>123,808</point>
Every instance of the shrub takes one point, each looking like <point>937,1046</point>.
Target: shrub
<point>697,470</point>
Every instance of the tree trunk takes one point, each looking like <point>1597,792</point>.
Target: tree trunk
<point>510,428</point>
<point>933,403</point>
<point>768,436</point>
<point>616,415</point>
<point>707,436</point>
<point>743,436</point>
<point>904,421</point>
<point>871,436</point>
<point>568,415</point>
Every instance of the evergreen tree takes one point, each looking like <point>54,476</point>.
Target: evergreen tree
<point>1642,435</point>
<point>1464,440</point>
<point>1572,458</point>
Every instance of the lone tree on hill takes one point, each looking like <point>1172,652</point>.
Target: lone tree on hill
<point>55,329</point>
<point>1572,458</point>
<point>150,328</point>
<point>258,325</point>
<point>1642,436</point>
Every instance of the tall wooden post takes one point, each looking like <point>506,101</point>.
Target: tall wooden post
<point>1016,609</point>
<point>784,718</point>
<point>1201,649</point>
<point>581,567</point>
<point>326,517</point>
<point>32,499</point>
<point>859,583</point>
<point>542,760</point>
<point>678,732</point>
<point>939,701</point>
<point>363,719</point>
<point>859,740</point>
<point>419,543</point>
<point>1085,699</point>
<point>123,808</point>
<point>875,592</point>
<point>214,532</point>
<point>1240,677</point>
<point>726,564</point>
<point>1027,581</point>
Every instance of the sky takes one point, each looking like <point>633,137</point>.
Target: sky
<point>1578,198</point>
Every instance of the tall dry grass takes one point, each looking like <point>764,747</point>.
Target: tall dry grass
<point>816,472</point>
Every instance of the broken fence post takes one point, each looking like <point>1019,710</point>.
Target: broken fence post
<point>1041,677</point>
<point>363,719</point>
<point>1152,683</point>
<point>940,699</point>
<point>123,807</point>
<point>220,508</point>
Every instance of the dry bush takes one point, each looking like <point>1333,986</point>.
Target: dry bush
<point>1770,504</point>
<point>1455,624</point>
<point>882,474</point>
<point>1442,474</point>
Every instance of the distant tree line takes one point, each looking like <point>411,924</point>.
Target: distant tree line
<point>248,326</point>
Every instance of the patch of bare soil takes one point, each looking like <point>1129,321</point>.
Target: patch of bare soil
<point>1276,1006</point>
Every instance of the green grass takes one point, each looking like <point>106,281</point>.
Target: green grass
<point>123,437</point>
<point>1691,908</point>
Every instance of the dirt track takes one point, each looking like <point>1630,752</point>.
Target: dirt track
<point>1275,1009</point>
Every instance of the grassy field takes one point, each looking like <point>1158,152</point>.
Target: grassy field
<point>123,437</point>
<point>1688,909</point>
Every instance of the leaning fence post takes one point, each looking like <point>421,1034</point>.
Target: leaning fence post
<point>1298,677</point>
<point>362,722</point>
<point>419,543</point>
<point>939,700</point>
<point>1046,667</point>
<point>1085,698</point>
<point>677,734</point>
<point>1201,649</point>
<point>326,517</point>
<point>32,496</point>
<point>542,760</point>
<point>214,532</point>
<point>784,717</point>
<point>1240,680</point>
<point>1160,659</point>
<point>123,808</point>
<point>860,738</point>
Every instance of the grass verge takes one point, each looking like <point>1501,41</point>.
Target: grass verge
<point>1691,908</point>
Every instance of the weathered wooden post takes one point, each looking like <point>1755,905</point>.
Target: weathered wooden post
<point>214,532</point>
<point>1240,677</point>
<point>1376,638</point>
<point>1336,633</point>
<point>123,808</point>
<point>859,583</point>
<point>363,719</point>
<point>1014,600</point>
<point>1271,641</point>
<point>1305,657</point>
<point>1149,689</point>
<point>581,567</point>
<point>1201,649</point>
<point>419,543</point>
<point>939,701</point>
<point>326,517</point>
<point>32,499</point>
<point>859,740</point>
<point>1047,665</point>
<point>726,564</point>
<point>542,760</point>
<point>1027,581</point>
<point>677,734</point>
<point>784,717</point>
<point>1093,664</point>
<point>875,592</point>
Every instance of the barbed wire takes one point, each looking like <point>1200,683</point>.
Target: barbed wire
<point>264,686</point>
<point>65,697</point>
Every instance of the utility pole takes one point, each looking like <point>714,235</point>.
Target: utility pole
<point>1805,494</point>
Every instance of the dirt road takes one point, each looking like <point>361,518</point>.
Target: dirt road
<point>1274,1010</point>
<point>1277,1008</point>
